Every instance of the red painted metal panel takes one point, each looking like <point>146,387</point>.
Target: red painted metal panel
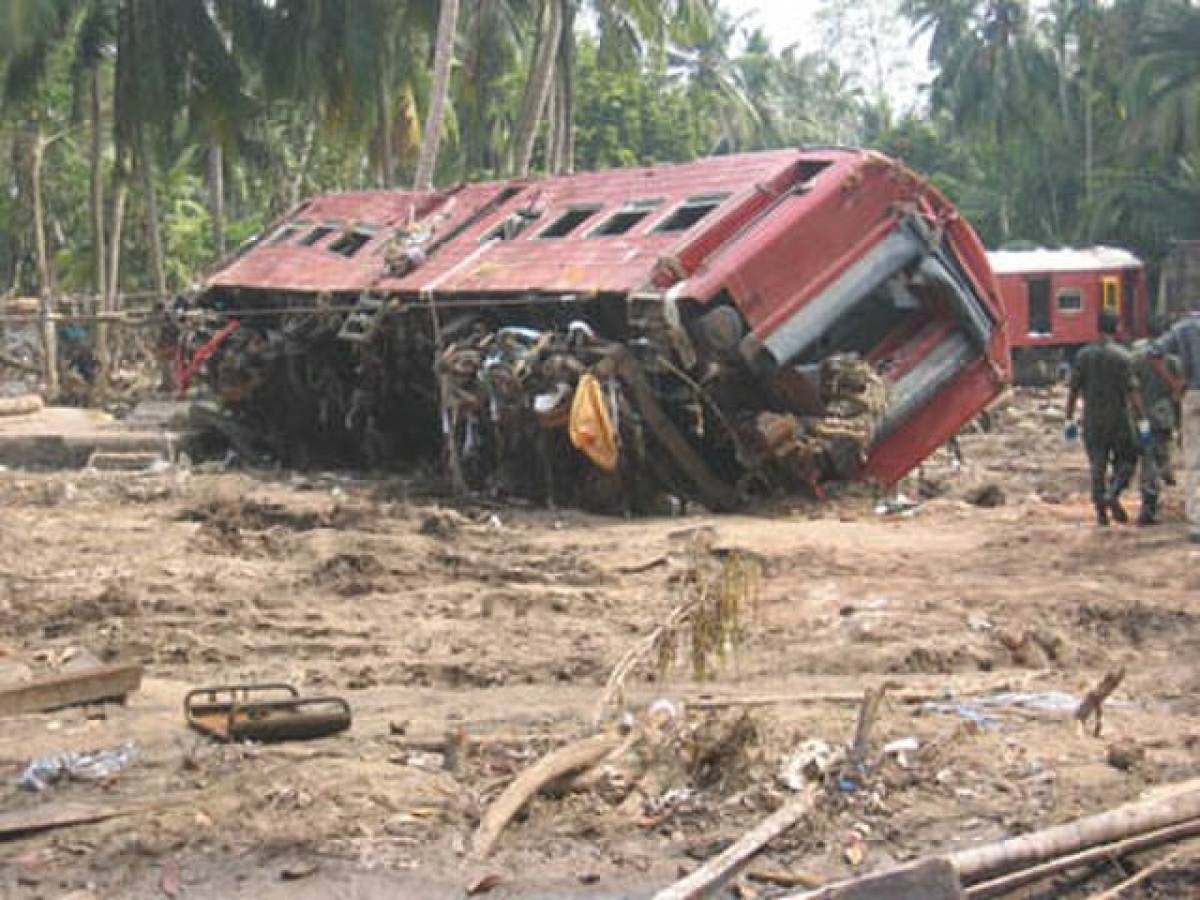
<point>897,455</point>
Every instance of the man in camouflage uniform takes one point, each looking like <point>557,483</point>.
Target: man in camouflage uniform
<point>1103,374</point>
<point>1183,340</point>
<point>1160,378</point>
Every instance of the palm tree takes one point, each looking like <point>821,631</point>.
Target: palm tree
<point>1165,88</point>
<point>439,92</point>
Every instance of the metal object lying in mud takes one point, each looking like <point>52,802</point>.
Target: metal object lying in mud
<point>718,330</point>
<point>263,712</point>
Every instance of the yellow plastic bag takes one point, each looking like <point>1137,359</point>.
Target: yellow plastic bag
<point>591,427</point>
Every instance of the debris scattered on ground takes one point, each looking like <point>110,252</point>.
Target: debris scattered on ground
<point>987,496</point>
<point>264,712</point>
<point>1126,755</point>
<point>97,766</point>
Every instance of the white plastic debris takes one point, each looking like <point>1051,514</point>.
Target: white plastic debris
<point>900,749</point>
<point>807,763</point>
<point>98,766</point>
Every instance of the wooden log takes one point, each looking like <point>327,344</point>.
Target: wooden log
<point>1132,819</point>
<point>724,867</point>
<point>998,887</point>
<point>564,761</point>
<point>71,689</point>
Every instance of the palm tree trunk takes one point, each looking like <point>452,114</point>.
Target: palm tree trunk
<point>567,90</point>
<point>120,195</point>
<point>46,288</point>
<point>537,90</point>
<point>99,249</point>
<point>552,125</point>
<point>216,196</point>
<point>431,139</point>
<point>145,167</point>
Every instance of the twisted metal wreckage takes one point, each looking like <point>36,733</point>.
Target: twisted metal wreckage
<point>715,330</point>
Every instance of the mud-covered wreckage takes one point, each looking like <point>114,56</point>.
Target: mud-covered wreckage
<point>714,330</point>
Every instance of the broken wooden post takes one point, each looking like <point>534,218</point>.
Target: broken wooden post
<point>724,867</point>
<point>564,761</point>
<point>1092,705</point>
<point>71,689</point>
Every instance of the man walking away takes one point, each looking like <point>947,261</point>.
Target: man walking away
<point>1183,340</point>
<point>1103,375</point>
<point>1160,379</point>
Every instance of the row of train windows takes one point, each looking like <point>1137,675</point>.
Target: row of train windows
<point>348,244</point>
<point>620,222</point>
<point>629,216</point>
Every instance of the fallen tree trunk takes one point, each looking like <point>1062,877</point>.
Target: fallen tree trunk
<point>563,761</point>
<point>724,867</point>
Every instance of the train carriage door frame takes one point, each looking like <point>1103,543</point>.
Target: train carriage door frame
<point>1110,298</point>
<point>1037,290</point>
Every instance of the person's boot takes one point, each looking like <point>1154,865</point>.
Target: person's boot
<point>1117,510</point>
<point>1149,511</point>
<point>1102,515</point>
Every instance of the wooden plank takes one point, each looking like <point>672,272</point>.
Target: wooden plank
<point>57,815</point>
<point>71,689</point>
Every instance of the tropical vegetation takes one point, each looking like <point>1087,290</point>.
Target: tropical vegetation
<point>140,140</point>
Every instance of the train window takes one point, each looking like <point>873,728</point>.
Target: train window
<point>283,235</point>
<point>626,219</point>
<point>350,243</point>
<point>512,226</point>
<point>1070,300</point>
<point>691,212</point>
<point>317,235</point>
<point>569,221</point>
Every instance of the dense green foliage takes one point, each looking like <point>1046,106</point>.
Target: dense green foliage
<point>184,126</point>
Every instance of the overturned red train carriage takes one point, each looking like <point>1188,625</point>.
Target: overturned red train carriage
<point>742,324</point>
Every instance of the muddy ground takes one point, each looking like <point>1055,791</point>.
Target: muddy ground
<point>499,624</point>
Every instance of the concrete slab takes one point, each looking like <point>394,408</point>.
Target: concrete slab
<point>66,437</point>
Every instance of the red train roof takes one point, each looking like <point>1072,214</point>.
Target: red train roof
<point>596,232</point>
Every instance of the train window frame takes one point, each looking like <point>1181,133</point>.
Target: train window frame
<point>1065,293</point>
<point>690,213</point>
<point>318,234</point>
<point>351,242</point>
<point>569,221</point>
<point>624,220</point>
